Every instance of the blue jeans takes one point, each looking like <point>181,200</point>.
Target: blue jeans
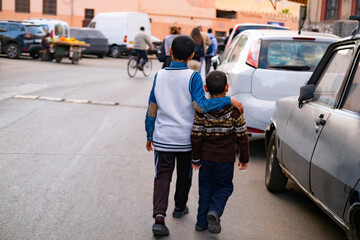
<point>141,55</point>
<point>215,188</point>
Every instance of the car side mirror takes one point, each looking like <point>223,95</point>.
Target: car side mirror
<point>306,93</point>
<point>215,59</point>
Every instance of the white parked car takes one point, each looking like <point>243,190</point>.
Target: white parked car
<point>263,66</point>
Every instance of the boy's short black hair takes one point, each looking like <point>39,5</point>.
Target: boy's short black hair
<point>216,82</point>
<point>209,30</point>
<point>182,47</point>
<point>142,28</point>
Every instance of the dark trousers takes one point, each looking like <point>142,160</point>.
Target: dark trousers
<point>207,64</point>
<point>164,167</point>
<point>141,55</point>
<point>215,188</point>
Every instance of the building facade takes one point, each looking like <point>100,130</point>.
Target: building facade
<point>186,14</point>
<point>331,16</point>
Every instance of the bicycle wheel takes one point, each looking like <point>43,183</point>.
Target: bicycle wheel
<point>147,68</point>
<point>132,66</point>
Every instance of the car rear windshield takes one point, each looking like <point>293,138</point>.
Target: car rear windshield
<point>36,30</point>
<point>300,55</point>
<point>243,28</point>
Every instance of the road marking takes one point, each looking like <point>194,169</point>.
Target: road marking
<point>78,101</point>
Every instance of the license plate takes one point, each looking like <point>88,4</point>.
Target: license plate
<point>38,40</point>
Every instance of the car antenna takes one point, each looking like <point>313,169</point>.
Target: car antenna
<point>356,31</point>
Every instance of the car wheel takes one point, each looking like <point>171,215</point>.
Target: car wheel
<point>12,51</point>
<point>115,51</point>
<point>275,179</point>
<point>34,55</point>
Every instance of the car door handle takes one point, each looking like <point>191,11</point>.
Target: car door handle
<point>319,122</point>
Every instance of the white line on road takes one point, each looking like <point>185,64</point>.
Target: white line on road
<point>78,101</point>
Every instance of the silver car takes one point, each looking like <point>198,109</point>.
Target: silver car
<point>314,138</point>
<point>265,65</point>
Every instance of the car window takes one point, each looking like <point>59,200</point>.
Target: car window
<point>234,56</point>
<point>14,27</point>
<point>45,27</point>
<point>329,83</point>
<point>66,31</point>
<point>92,24</point>
<point>225,55</point>
<point>58,29</point>
<point>284,53</point>
<point>36,30</point>
<point>352,102</point>
<point>3,27</point>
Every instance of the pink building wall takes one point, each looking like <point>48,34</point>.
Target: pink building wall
<point>163,14</point>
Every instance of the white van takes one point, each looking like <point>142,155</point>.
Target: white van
<point>120,29</point>
<point>57,28</point>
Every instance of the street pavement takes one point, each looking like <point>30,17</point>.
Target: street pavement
<point>78,168</point>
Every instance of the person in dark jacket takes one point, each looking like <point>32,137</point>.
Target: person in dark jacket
<point>213,139</point>
<point>199,50</point>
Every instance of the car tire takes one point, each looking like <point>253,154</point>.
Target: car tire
<point>34,55</point>
<point>115,51</point>
<point>13,51</point>
<point>275,179</point>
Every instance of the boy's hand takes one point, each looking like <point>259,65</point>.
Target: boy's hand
<point>149,146</point>
<point>242,166</point>
<point>237,104</point>
<point>196,166</point>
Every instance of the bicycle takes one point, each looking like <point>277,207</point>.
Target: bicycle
<point>132,66</point>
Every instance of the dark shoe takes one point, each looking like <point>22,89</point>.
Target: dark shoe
<point>179,213</point>
<point>140,67</point>
<point>160,230</point>
<point>213,222</point>
<point>200,228</point>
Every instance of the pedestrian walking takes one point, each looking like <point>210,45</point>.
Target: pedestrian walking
<point>210,52</point>
<point>207,42</point>
<point>140,42</point>
<point>199,50</point>
<point>164,55</point>
<point>176,92</point>
<point>213,138</point>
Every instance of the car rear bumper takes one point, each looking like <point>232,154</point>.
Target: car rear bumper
<point>32,48</point>
<point>257,113</point>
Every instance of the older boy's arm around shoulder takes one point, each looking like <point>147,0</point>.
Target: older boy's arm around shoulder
<point>242,140</point>
<point>201,104</point>
<point>197,139</point>
<point>150,118</point>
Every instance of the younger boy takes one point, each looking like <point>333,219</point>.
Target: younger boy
<point>213,139</point>
<point>176,91</point>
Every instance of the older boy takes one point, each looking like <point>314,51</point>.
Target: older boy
<point>176,91</point>
<point>213,139</point>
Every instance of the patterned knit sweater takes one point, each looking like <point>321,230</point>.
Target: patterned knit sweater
<point>214,135</point>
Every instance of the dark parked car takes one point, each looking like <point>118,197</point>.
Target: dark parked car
<point>17,37</point>
<point>99,45</point>
<point>314,138</point>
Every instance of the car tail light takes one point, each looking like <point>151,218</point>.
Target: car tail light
<point>28,36</point>
<point>52,34</point>
<point>125,38</point>
<point>254,130</point>
<point>254,53</point>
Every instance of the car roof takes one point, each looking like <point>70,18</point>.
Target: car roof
<point>258,24</point>
<point>289,34</point>
<point>20,22</point>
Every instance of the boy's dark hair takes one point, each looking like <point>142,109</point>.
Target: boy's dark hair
<point>142,28</point>
<point>216,82</point>
<point>209,30</point>
<point>182,47</point>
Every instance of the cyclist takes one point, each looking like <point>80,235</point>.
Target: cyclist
<point>140,42</point>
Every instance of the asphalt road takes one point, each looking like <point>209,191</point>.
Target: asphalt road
<point>79,170</point>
